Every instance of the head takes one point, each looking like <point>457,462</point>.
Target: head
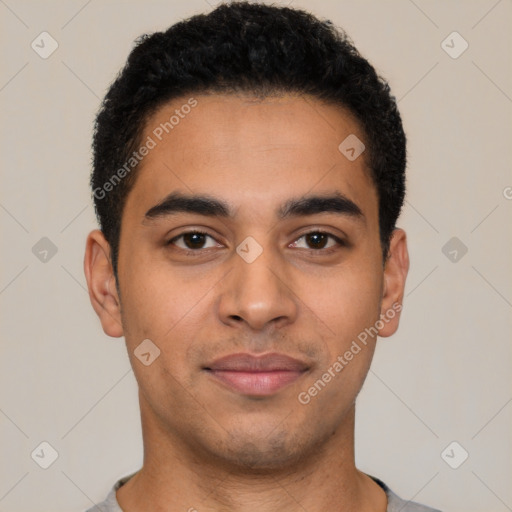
<point>232,124</point>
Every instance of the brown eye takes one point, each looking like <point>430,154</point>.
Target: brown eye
<point>193,240</point>
<point>317,241</point>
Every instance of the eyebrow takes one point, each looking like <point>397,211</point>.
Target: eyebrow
<point>296,207</point>
<point>310,205</point>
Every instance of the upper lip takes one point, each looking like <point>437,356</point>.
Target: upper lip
<point>244,362</point>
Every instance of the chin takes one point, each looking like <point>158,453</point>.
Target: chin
<point>264,453</point>
<point>256,459</point>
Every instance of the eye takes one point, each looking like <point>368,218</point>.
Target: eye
<point>317,241</point>
<point>194,240</point>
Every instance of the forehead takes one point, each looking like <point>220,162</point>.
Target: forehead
<point>249,151</point>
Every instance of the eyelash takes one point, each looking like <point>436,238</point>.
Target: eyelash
<point>197,252</point>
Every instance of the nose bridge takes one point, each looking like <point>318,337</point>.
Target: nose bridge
<point>255,290</point>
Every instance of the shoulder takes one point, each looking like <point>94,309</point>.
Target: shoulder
<point>397,504</point>
<point>110,503</point>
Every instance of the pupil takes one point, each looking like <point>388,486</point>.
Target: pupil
<point>194,240</point>
<point>317,240</point>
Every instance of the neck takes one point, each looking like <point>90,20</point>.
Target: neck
<point>177,478</point>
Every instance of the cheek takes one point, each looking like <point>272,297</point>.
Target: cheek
<point>167,320</point>
<point>347,301</point>
<point>169,308</point>
<point>347,305</point>
<point>154,296</point>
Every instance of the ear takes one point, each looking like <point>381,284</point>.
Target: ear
<point>102,283</point>
<point>395,274</point>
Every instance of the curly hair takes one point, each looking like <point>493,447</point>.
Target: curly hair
<point>259,49</point>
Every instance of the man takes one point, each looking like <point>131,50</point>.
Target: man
<point>248,174</point>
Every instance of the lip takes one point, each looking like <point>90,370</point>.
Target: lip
<point>252,375</point>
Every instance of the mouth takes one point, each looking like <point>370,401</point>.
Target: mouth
<point>256,376</point>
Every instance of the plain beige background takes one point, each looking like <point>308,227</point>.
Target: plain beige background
<point>444,377</point>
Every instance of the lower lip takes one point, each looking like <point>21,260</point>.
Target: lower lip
<point>256,383</point>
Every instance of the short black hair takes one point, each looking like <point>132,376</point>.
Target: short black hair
<point>244,47</point>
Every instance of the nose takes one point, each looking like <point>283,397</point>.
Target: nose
<point>257,293</point>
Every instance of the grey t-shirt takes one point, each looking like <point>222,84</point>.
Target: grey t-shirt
<point>395,504</point>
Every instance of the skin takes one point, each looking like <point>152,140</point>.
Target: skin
<point>207,447</point>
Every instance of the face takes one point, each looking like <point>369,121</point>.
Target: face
<point>250,257</point>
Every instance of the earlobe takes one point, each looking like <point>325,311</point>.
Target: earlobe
<point>101,283</point>
<point>395,275</point>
